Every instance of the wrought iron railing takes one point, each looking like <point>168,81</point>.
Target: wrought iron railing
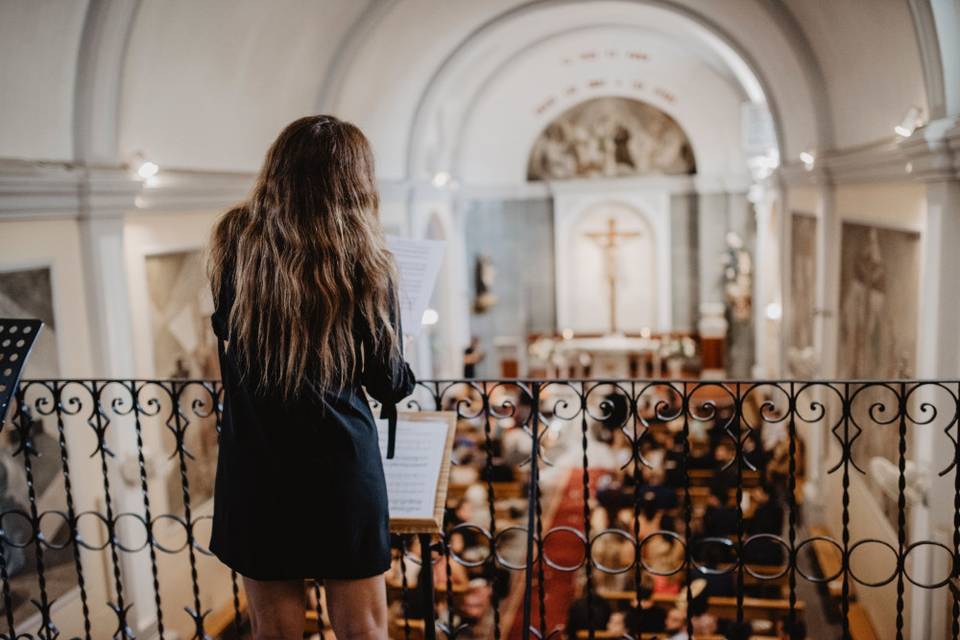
<point>635,486</point>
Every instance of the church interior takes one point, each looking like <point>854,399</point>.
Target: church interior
<point>697,313</point>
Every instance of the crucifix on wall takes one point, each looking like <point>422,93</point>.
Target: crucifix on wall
<point>609,241</point>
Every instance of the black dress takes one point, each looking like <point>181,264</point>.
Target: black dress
<point>300,491</point>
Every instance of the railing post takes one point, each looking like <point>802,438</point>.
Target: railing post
<point>533,498</point>
<point>426,587</point>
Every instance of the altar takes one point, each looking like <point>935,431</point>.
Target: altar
<point>610,357</point>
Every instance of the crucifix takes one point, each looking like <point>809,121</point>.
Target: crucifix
<point>609,242</point>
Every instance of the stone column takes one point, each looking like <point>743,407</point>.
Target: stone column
<point>934,153</point>
<point>106,195</point>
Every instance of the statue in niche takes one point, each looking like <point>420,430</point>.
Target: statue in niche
<point>484,274</point>
<point>738,278</point>
<point>610,137</point>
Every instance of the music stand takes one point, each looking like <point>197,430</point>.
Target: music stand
<point>17,337</point>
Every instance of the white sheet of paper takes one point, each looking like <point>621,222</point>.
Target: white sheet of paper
<point>414,471</point>
<point>418,262</point>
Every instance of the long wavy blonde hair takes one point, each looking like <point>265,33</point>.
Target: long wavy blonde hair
<point>307,261</point>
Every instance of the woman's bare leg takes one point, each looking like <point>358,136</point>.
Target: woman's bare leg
<point>276,608</point>
<point>357,608</point>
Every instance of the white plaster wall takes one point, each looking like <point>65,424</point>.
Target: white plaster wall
<point>896,205</point>
<point>801,199</point>
<point>38,62</point>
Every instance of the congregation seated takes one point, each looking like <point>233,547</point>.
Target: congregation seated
<point>636,504</point>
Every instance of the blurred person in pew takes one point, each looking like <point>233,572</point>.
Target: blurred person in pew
<point>795,631</point>
<point>580,617</point>
<point>476,607</point>
<point>644,616</point>
<point>675,625</point>
<point>766,517</point>
<point>721,517</point>
<point>472,356</point>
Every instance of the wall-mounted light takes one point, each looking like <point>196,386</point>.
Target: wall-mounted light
<point>774,311</point>
<point>147,169</point>
<point>430,317</point>
<point>808,159</point>
<point>441,179</point>
<point>911,120</point>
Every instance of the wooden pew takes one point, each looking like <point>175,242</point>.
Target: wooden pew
<point>720,606</point>
<point>501,490</point>
<point>703,477</point>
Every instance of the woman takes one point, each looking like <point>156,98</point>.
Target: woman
<point>306,315</point>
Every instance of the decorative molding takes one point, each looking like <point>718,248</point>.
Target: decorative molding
<point>107,192</point>
<point>193,191</point>
<point>931,153</point>
<point>38,190</point>
<point>880,162</point>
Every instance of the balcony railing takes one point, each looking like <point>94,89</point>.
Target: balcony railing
<point>568,499</point>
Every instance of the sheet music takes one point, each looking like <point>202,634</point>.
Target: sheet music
<point>414,471</point>
<point>418,262</point>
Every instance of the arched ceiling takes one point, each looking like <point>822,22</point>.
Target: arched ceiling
<point>38,62</point>
<point>509,111</point>
<point>872,72</point>
<point>207,85</point>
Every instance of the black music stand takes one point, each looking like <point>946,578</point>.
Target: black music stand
<point>17,337</point>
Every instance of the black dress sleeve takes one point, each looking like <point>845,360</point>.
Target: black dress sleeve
<point>386,375</point>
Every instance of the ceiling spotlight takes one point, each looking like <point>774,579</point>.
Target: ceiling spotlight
<point>441,179</point>
<point>430,317</point>
<point>808,159</point>
<point>909,123</point>
<point>147,169</point>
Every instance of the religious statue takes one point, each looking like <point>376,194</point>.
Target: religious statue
<point>738,278</point>
<point>609,242</point>
<point>484,274</point>
<point>863,315</point>
<point>610,137</point>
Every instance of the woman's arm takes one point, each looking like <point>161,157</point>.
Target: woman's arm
<point>386,375</point>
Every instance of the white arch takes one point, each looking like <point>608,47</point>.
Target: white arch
<point>494,38</point>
